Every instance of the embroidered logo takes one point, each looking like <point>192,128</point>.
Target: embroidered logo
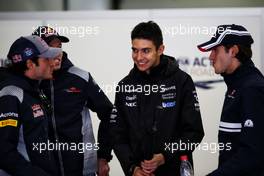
<point>248,123</point>
<point>113,115</point>
<point>231,94</point>
<point>28,52</point>
<point>131,104</point>
<point>168,104</point>
<point>8,122</point>
<point>73,90</point>
<point>168,96</point>
<point>9,114</point>
<point>165,89</point>
<point>17,58</point>
<point>196,104</point>
<point>37,110</point>
<point>131,98</point>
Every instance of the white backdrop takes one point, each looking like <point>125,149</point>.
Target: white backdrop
<point>100,43</point>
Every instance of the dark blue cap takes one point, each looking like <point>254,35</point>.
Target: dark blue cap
<point>30,47</point>
<point>228,34</point>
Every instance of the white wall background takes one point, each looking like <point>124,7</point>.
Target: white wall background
<point>152,4</point>
<point>100,43</point>
<point>58,5</point>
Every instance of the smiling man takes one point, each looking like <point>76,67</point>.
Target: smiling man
<point>146,124</point>
<point>242,115</point>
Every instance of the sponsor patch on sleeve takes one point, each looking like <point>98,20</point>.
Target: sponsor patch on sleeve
<point>8,122</point>
<point>9,114</point>
<point>196,104</point>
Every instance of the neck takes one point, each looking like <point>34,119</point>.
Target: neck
<point>233,66</point>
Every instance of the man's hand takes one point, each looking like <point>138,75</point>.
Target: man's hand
<point>103,167</point>
<point>149,166</point>
<point>139,172</point>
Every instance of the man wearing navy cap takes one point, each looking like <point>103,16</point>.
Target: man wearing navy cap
<point>242,122</point>
<point>73,92</point>
<point>24,111</point>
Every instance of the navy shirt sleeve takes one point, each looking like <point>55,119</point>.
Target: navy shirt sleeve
<point>249,158</point>
<point>10,159</point>
<point>98,102</point>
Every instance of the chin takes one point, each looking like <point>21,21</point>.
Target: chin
<point>143,69</point>
<point>56,68</point>
<point>49,77</point>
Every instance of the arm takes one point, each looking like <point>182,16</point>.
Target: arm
<point>249,157</point>
<point>120,136</point>
<point>10,159</point>
<point>99,103</point>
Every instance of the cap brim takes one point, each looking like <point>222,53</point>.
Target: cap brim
<point>63,39</point>
<point>51,53</point>
<point>207,46</point>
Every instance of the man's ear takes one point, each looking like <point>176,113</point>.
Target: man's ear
<point>234,50</point>
<point>161,49</point>
<point>30,64</point>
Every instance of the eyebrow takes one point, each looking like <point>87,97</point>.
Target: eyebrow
<point>140,48</point>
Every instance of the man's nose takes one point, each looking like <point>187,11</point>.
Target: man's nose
<point>52,62</point>
<point>59,57</point>
<point>139,56</point>
<point>211,56</point>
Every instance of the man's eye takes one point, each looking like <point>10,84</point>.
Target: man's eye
<point>146,50</point>
<point>134,50</point>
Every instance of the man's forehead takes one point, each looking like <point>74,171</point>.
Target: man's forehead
<point>142,43</point>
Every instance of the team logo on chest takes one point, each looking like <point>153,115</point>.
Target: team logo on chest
<point>131,101</point>
<point>73,90</point>
<point>249,123</point>
<point>37,110</point>
<point>168,104</point>
<point>231,94</point>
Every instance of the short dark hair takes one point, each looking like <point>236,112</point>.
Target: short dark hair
<point>148,30</point>
<point>244,52</point>
<point>20,68</point>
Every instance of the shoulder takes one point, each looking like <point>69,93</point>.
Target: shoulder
<point>127,80</point>
<point>181,77</point>
<point>80,73</point>
<point>174,72</point>
<point>12,90</point>
<point>183,74</point>
<point>252,90</point>
<point>252,82</point>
